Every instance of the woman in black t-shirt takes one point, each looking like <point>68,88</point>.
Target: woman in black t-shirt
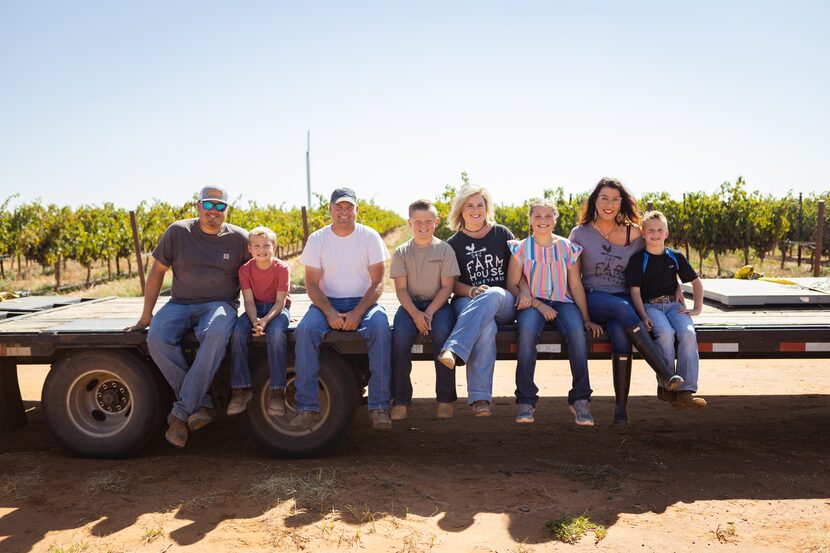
<point>480,300</point>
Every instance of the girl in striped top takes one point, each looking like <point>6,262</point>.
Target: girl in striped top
<point>549,263</point>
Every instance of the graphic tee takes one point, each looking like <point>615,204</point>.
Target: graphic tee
<point>660,276</point>
<point>483,260</point>
<point>205,266</point>
<point>344,260</point>
<point>603,263</point>
<point>423,267</point>
<point>265,283</point>
<point>546,267</point>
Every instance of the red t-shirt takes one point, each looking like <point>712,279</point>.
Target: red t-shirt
<point>265,283</point>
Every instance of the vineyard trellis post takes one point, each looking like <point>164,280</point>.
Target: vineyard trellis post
<point>137,244</point>
<point>819,236</point>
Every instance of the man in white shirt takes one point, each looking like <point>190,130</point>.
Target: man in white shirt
<point>344,270</point>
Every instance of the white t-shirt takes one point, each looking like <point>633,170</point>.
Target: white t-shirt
<point>344,260</point>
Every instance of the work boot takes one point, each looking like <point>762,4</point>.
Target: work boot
<point>444,410</point>
<point>665,395</point>
<point>481,408</point>
<point>398,412</point>
<point>380,419</point>
<point>303,420</point>
<point>621,371</point>
<point>176,433</point>
<point>201,418</point>
<point>276,402</point>
<point>239,400</point>
<point>687,399</point>
<point>639,336</point>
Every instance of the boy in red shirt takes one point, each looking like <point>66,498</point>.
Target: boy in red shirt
<point>264,281</point>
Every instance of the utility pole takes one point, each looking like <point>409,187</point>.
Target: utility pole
<point>308,169</point>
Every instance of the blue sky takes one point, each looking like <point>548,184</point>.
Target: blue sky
<point>121,101</point>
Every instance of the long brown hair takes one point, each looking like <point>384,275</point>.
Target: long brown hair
<point>628,205</point>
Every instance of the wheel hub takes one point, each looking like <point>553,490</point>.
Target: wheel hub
<point>112,397</point>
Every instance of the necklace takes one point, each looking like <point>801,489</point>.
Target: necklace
<point>604,234</point>
<point>474,233</point>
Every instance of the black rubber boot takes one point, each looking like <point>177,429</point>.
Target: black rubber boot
<point>621,369</point>
<point>641,339</point>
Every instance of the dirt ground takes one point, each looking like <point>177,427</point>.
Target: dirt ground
<point>749,473</point>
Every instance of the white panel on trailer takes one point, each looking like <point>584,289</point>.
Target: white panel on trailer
<point>739,292</point>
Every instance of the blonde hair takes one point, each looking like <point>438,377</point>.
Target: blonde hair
<point>543,202</point>
<point>456,221</point>
<point>263,231</point>
<point>649,215</point>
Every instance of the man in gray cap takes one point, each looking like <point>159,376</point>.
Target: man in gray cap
<point>205,254</point>
<point>344,269</point>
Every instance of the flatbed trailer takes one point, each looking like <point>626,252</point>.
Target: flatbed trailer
<point>104,396</point>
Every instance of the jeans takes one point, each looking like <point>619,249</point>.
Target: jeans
<point>569,324</point>
<point>668,323</point>
<point>276,341</point>
<point>473,338</point>
<point>617,313</point>
<point>212,323</point>
<point>403,336</point>
<point>374,327</point>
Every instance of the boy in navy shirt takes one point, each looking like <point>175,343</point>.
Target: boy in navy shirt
<point>652,276</point>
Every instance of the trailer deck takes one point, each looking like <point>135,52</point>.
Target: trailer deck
<point>104,396</point>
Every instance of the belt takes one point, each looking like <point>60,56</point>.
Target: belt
<point>661,299</point>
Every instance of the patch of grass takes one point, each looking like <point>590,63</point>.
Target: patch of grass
<point>18,486</point>
<point>110,482</point>
<point>573,529</point>
<point>600,477</point>
<point>152,533</point>
<point>727,534</point>
<point>310,491</point>
<point>202,501</point>
<point>77,547</point>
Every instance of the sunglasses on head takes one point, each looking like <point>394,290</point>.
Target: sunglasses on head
<point>210,204</point>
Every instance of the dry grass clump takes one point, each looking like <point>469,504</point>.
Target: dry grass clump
<point>18,486</point>
<point>313,491</point>
<point>110,482</point>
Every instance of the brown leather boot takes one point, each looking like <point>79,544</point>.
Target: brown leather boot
<point>176,433</point>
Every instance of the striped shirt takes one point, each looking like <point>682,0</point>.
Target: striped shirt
<point>546,267</point>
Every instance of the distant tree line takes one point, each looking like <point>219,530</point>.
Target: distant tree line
<point>732,219</point>
<point>49,234</point>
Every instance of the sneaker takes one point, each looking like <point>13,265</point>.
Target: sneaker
<point>398,413</point>
<point>176,434</point>
<point>276,402</point>
<point>447,358</point>
<point>380,419</point>
<point>687,399</point>
<point>201,418</point>
<point>239,400</point>
<point>674,383</point>
<point>481,408</point>
<point>444,410</point>
<point>581,409</point>
<point>524,414</point>
<point>303,420</point>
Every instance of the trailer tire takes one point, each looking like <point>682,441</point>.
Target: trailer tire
<point>105,404</point>
<point>339,398</point>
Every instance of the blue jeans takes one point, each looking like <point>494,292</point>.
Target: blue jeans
<point>668,323</point>
<point>404,333</point>
<point>212,323</point>
<point>617,313</point>
<point>311,331</point>
<point>276,341</point>
<point>569,324</point>
<point>473,337</point>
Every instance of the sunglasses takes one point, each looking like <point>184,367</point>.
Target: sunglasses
<point>220,206</point>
